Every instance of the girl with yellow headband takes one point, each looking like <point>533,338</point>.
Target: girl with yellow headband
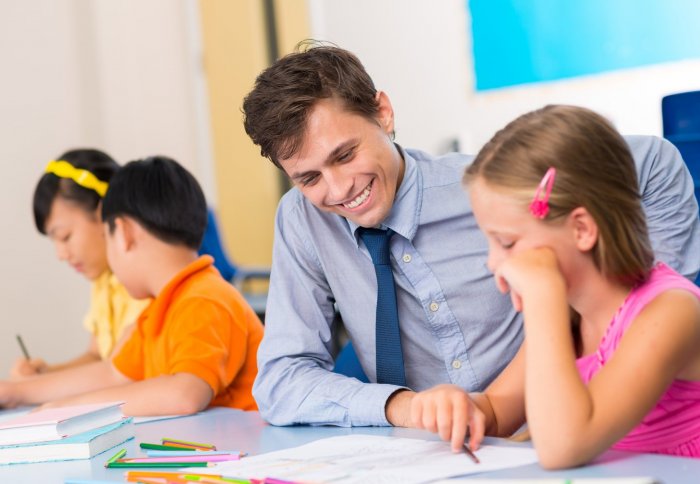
<point>66,209</point>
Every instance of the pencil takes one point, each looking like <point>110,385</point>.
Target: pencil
<point>145,445</point>
<point>116,456</point>
<point>156,464</point>
<point>22,347</point>
<point>185,443</point>
<point>471,454</point>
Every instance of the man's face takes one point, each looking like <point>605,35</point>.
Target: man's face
<point>347,164</point>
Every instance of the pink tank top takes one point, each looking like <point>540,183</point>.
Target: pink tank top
<point>673,425</point>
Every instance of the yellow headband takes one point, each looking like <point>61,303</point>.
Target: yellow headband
<point>84,178</point>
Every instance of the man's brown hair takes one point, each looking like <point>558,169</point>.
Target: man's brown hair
<point>276,110</point>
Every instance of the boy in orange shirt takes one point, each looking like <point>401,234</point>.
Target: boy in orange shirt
<point>196,344</point>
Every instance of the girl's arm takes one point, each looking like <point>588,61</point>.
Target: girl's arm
<point>571,423</point>
<point>60,384</point>
<point>24,368</point>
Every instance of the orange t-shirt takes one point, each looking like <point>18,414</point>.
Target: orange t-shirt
<point>199,324</point>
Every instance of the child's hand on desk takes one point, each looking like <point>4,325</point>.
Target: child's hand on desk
<point>24,368</point>
<point>449,411</point>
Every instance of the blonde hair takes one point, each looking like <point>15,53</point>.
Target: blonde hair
<point>594,170</point>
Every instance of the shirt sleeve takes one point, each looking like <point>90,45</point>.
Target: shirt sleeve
<point>295,383</point>
<point>669,203</point>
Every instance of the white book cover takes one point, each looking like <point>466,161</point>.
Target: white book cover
<point>81,446</point>
<point>57,423</point>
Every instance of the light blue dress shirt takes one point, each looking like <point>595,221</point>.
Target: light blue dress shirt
<point>455,325</point>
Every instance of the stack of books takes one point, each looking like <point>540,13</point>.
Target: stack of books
<point>65,433</point>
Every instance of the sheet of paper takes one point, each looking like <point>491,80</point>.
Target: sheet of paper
<point>580,480</point>
<point>372,459</point>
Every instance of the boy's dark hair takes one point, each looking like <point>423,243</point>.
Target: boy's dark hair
<point>51,186</point>
<point>275,111</point>
<point>160,195</point>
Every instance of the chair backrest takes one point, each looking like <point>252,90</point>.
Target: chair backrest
<point>681,114</point>
<point>212,245</point>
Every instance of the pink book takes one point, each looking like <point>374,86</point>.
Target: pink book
<point>57,423</point>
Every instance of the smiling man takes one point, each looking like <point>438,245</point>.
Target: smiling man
<point>317,115</point>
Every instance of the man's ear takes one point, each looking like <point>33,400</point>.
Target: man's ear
<point>385,112</point>
<point>585,229</point>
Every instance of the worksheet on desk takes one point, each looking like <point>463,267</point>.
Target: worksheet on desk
<point>372,459</point>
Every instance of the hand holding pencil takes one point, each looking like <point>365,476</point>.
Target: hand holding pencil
<point>26,366</point>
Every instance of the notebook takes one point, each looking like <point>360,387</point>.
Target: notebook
<point>56,423</point>
<point>81,446</point>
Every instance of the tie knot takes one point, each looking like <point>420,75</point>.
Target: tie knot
<point>377,242</point>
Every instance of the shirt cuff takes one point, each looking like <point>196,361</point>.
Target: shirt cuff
<point>368,406</point>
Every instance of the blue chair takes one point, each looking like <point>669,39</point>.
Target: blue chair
<point>346,363</point>
<point>681,114</point>
<point>237,275</point>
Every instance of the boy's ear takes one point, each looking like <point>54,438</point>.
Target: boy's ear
<point>124,233</point>
<point>585,229</point>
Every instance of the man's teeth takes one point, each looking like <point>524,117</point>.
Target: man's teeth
<point>361,198</point>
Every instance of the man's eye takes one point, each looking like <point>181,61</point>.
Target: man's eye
<point>346,156</point>
<point>309,180</point>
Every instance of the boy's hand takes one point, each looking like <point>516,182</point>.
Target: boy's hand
<point>449,411</point>
<point>24,368</point>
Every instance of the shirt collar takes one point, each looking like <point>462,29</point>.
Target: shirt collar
<point>157,310</point>
<point>405,212</point>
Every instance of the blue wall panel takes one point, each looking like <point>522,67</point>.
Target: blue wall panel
<point>524,41</point>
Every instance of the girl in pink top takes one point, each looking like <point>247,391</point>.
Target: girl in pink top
<point>610,357</point>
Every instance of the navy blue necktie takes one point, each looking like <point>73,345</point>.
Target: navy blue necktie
<point>389,355</point>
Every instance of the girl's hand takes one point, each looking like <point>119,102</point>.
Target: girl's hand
<point>532,271</point>
<point>449,411</point>
<point>24,368</point>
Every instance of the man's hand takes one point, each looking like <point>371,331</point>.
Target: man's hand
<point>449,411</point>
<point>445,409</point>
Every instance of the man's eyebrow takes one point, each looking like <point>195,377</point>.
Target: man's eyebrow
<point>332,156</point>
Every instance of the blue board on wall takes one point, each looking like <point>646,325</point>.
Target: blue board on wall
<point>523,41</point>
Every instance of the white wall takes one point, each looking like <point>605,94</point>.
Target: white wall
<point>419,51</point>
<point>118,75</point>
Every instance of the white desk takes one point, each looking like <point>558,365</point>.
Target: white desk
<point>246,431</point>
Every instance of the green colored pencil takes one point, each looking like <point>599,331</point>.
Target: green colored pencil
<point>145,445</point>
<point>157,464</point>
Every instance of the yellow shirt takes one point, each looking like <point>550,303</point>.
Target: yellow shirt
<point>111,311</point>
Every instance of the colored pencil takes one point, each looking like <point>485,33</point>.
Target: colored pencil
<point>188,458</point>
<point>145,445</point>
<point>142,465</point>
<point>187,444</point>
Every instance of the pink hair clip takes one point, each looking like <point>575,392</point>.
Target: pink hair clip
<point>539,207</point>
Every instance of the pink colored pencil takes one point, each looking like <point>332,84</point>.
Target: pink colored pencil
<point>182,458</point>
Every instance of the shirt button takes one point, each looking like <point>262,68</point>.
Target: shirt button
<point>407,258</point>
<point>434,306</point>
<point>456,364</point>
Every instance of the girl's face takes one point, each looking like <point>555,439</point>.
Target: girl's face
<point>511,228</point>
<point>78,237</point>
